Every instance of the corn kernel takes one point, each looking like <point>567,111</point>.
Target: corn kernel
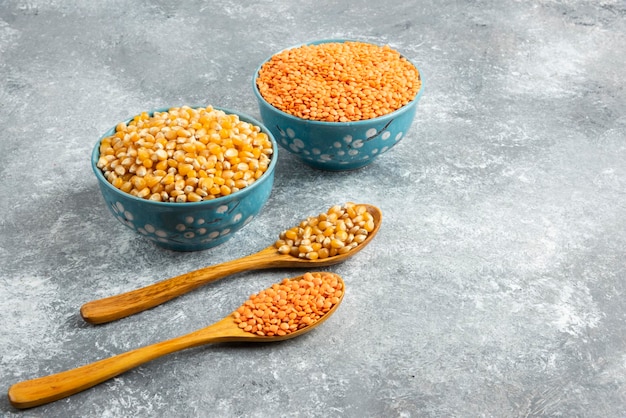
<point>126,187</point>
<point>118,182</point>
<point>145,192</point>
<point>192,196</point>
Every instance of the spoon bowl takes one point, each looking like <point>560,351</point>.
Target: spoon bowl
<point>42,390</point>
<point>125,304</point>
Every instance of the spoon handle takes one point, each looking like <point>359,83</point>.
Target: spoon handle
<point>42,390</point>
<point>138,300</point>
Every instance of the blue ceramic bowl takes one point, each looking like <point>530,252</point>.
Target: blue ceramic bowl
<point>189,226</point>
<point>336,146</point>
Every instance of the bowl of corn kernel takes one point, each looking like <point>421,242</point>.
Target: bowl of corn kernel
<point>337,104</point>
<point>186,178</point>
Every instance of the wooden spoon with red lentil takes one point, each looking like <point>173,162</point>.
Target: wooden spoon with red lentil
<point>320,241</point>
<point>285,310</point>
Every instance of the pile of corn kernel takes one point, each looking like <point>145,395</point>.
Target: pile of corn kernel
<point>290,305</point>
<point>339,230</point>
<point>184,155</point>
<point>338,81</point>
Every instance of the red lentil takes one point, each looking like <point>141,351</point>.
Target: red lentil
<point>338,81</point>
<point>184,155</point>
<point>290,305</point>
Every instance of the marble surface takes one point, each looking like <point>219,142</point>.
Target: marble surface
<point>496,286</point>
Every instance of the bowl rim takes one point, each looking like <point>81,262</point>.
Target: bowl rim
<point>95,155</point>
<point>381,118</point>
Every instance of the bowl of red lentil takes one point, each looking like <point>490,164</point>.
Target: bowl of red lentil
<point>338,104</point>
<point>186,178</point>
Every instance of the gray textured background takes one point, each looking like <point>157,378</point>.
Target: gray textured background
<point>495,288</point>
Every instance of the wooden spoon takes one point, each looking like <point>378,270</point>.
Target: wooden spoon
<point>42,390</point>
<point>129,303</point>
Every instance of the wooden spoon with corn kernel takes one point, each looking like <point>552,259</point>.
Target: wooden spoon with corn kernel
<point>120,306</point>
<point>42,390</point>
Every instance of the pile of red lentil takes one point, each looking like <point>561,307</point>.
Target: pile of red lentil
<point>290,305</point>
<point>338,81</point>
